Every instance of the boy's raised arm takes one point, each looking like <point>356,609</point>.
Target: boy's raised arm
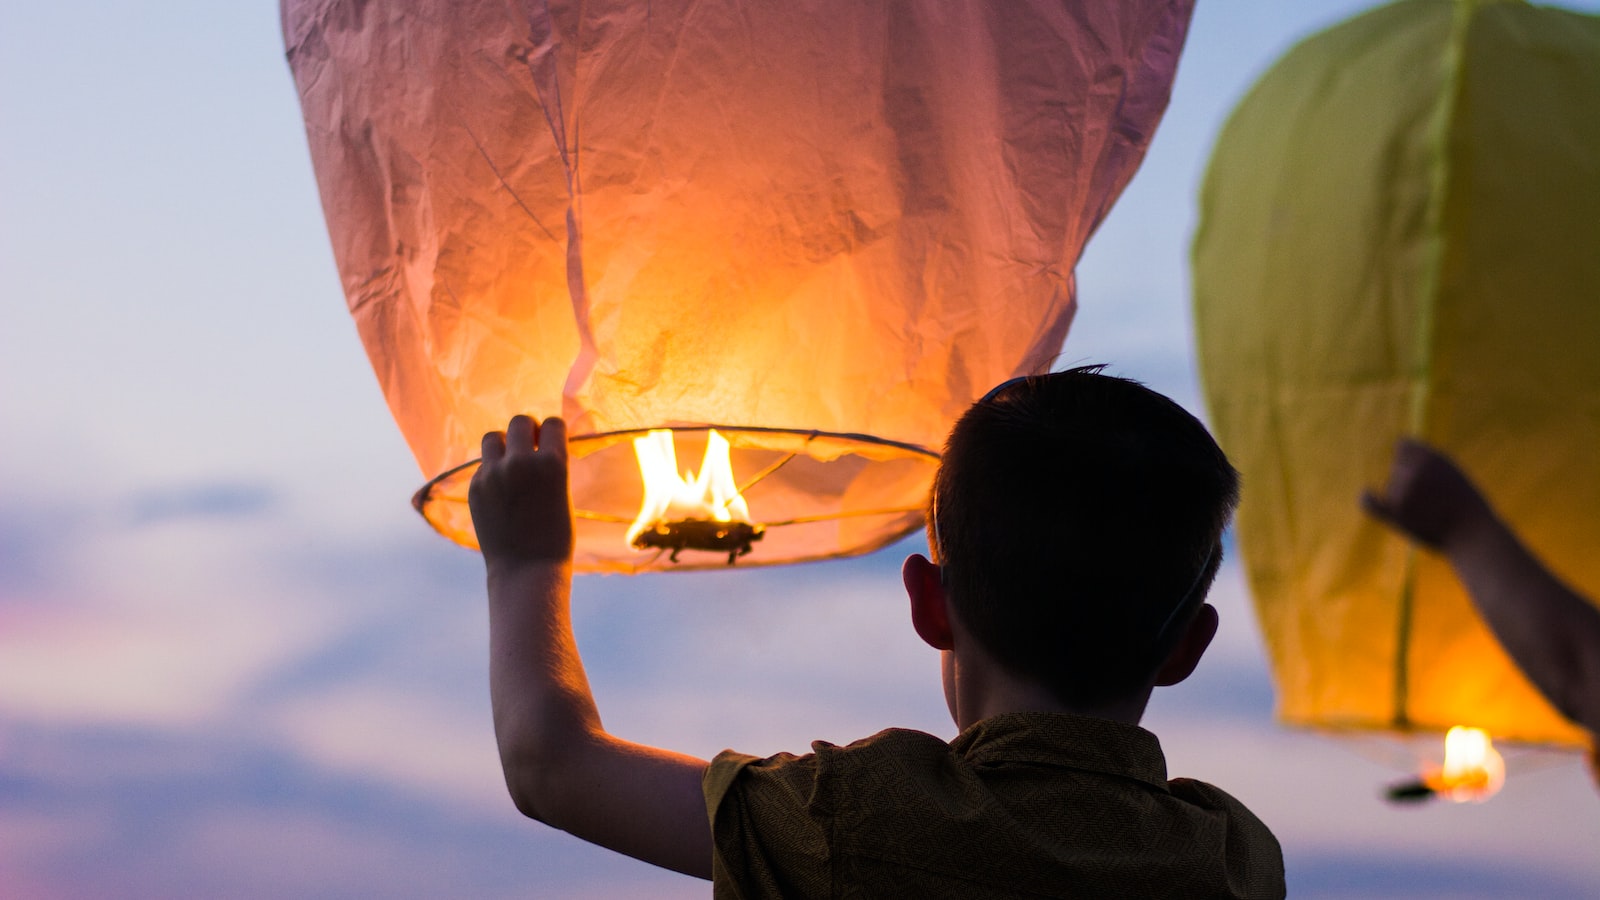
<point>561,766</point>
<point>1548,629</point>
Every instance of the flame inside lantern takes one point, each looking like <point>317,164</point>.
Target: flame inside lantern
<point>704,512</point>
<point>1473,770</point>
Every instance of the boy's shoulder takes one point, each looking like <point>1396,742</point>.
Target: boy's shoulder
<point>1017,803</point>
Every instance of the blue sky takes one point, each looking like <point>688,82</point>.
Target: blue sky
<point>234,663</point>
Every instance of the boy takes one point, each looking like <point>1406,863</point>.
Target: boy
<point>1075,525</point>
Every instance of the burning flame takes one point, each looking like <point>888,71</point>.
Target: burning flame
<point>713,496</point>
<point>1473,770</point>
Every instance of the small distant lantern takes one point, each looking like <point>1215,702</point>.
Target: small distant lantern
<point>800,237</point>
<point>1399,236</point>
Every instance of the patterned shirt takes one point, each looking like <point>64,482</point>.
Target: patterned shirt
<point>1019,805</point>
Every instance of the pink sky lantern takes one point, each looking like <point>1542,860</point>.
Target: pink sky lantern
<point>804,235</point>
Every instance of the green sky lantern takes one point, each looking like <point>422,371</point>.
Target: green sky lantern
<point>1400,235</point>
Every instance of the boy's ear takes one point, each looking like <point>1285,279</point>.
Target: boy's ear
<point>930,615</point>
<point>1191,646</point>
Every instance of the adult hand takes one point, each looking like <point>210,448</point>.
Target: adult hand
<point>518,496</point>
<point>1427,497</point>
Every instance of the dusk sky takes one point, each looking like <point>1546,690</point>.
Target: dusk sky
<point>233,661</point>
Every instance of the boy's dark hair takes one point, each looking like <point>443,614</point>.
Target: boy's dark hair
<point>1077,518</point>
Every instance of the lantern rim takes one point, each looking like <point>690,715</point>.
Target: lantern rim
<point>441,499</point>
<point>420,499</point>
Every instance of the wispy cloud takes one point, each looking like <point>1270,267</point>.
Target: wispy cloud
<point>216,500</point>
<point>229,817</point>
<point>36,537</point>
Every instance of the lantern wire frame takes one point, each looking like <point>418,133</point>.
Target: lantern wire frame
<point>827,495</point>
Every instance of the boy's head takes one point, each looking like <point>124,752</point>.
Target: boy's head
<point>1076,519</point>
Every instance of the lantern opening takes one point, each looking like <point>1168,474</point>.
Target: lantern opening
<point>818,495</point>
<point>687,512</point>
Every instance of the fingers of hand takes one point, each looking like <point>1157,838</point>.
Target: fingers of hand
<point>524,456</point>
<point>1410,447</point>
<point>494,446</point>
<point>526,434</point>
<point>1376,506</point>
<point>521,435</point>
<point>1422,453</point>
<point>553,436</point>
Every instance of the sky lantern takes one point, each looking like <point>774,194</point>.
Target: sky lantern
<point>1400,235</point>
<point>763,254</point>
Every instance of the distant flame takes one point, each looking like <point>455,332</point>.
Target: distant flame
<point>712,496</point>
<point>1473,770</point>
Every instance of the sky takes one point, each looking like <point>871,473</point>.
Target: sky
<point>233,662</point>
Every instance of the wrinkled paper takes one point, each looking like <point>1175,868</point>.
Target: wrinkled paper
<point>841,217</point>
<point>1399,236</point>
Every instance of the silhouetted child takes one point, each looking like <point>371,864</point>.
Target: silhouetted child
<point>1075,528</point>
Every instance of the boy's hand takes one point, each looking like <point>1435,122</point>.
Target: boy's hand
<point>518,496</point>
<point>1428,497</point>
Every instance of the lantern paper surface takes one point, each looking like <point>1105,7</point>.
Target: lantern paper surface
<point>1400,235</point>
<point>822,227</point>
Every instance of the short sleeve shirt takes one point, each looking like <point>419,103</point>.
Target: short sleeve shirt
<point>1018,806</point>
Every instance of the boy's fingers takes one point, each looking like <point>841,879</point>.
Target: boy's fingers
<point>494,446</point>
<point>1376,506</point>
<point>520,435</point>
<point>1419,452</point>
<point>553,435</point>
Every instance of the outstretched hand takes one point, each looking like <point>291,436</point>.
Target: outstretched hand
<point>518,496</point>
<point>1550,630</point>
<point>1428,497</point>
